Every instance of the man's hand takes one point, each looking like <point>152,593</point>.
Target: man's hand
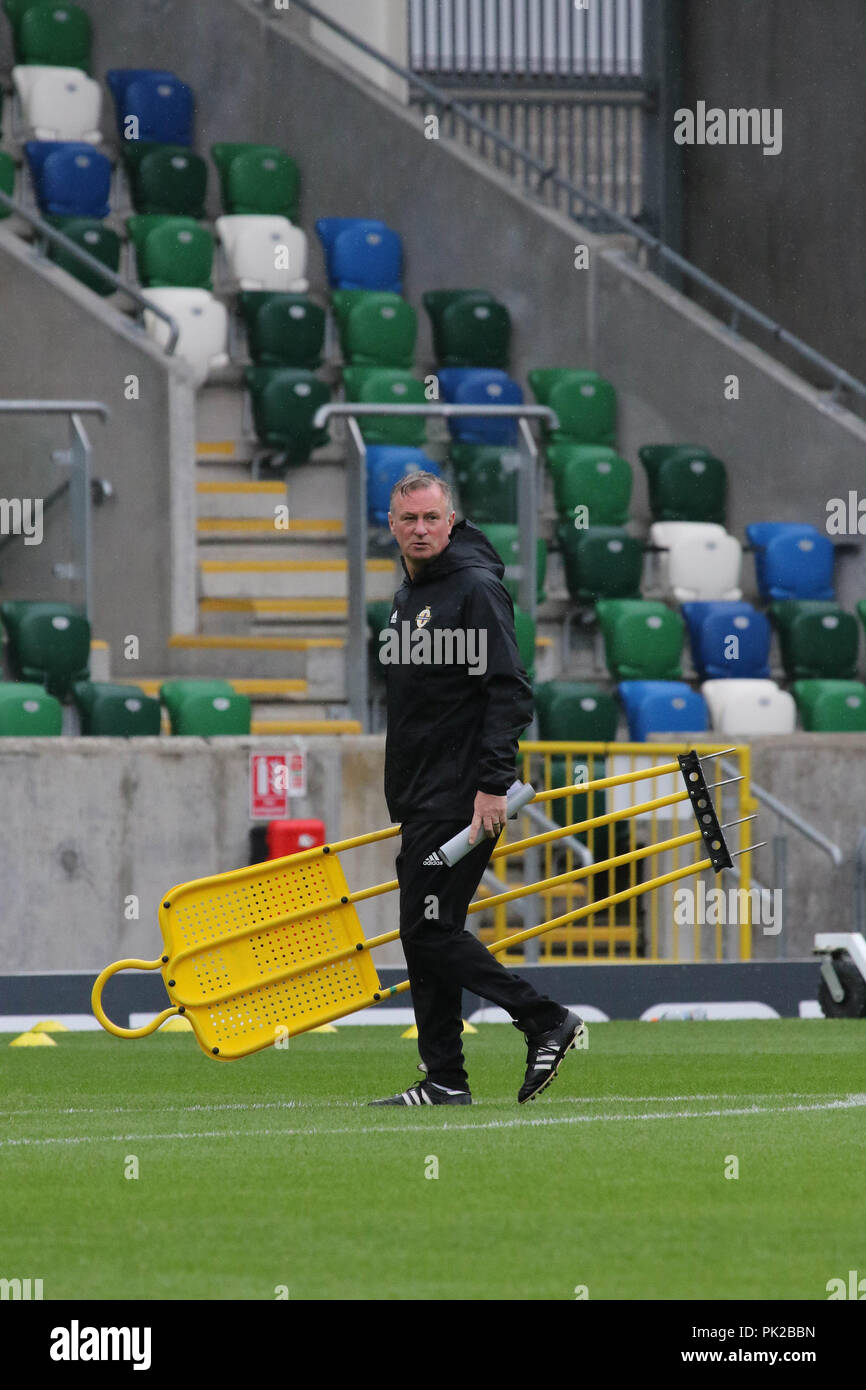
<point>489,813</point>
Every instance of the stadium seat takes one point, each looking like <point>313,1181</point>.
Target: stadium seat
<point>591,476</point>
<point>831,706</point>
<point>376,328</point>
<point>600,562</point>
<point>749,708</point>
<point>203,324</point>
<point>54,35</point>
<point>70,178</point>
<point>387,385</point>
<point>792,560</point>
<point>116,711</point>
<point>711,628</point>
<point>28,711</point>
<point>470,328</point>
<point>386,465</point>
<point>481,386</point>
<point>661,707</point>
<point>487,481</point>
<point>816,639</point>
<point>265,253</point>
<point>643,639</point>
<point>166,179</point>
<point>152,105</point>
<point>584,402</point>
<point>205,708</point>
<point>571,810</point>
<point>701,561</point>
<point>524,631</point>
<point>92,235</point>
<point>378,616</point>
<point>575,712</point>
<point>48,643</point>
<point>283,330</point>
<point>7,179</point>
<point>14,11</point>
<point>284,402</point>
<point>685,484</point>
<point>258,179</point>
<point>361,254</point>
<point>505,540</point>
<point>172,251</point>
<point>58,103</point>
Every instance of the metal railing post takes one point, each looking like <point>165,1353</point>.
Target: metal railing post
<point>357,674</point>
<point>80,455</point>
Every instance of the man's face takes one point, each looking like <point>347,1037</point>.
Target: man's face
<point>421,525</point>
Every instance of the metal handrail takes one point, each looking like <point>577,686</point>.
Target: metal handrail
<point>52,234</point>
<point>36,407</point>
<point>839,375</point>
<point>344,408</point>
<point>786,814</point>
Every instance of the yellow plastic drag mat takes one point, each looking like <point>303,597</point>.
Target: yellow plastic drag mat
<point>262,953</point>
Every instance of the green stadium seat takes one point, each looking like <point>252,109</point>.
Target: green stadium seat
<point>284,401</point>
<point>393,386</point>
<point>584,402</point>
<point>831,706</point>
<point>54,35</point>
<point>167,180</point>
<point>283,330</point>
<point>470,328</point>
<point>591,476</point>
<point>206,708</point>
<point>376,328</point>
<point>7,179</point>
<point>487,478</point>
<point>685,483</point>
<point>116,711</point>
<point>28,711</point>
<point>378,616</point>
<point>861,610</point>
<point>49,643</point>
<point>600,562</point>
<point>172,251</point>
<point>817,639</point>
<point>575,712</point>
<point>505,539</point>
<point>570,810</point>
<point>258,179</point>
<point>97,240</point>
<point>643,639</point>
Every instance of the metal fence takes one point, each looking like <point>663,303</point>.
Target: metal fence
<point>645,926</point>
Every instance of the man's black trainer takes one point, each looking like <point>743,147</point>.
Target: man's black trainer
<point>544,1054</point>
<point>426,1093</point>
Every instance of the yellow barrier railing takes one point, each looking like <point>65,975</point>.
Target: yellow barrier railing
<point>651,927</point>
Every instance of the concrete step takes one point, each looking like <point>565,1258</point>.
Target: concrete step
<point>314,668</point>
<point>299,617</point>
<point>293,547</point>
<point>210,531</point>
<point>239,498</point>
<point>283,579</point>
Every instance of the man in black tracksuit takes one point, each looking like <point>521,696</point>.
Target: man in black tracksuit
<point>458,700</point>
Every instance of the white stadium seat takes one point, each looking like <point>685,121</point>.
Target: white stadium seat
<point>264,252</point>
<point>749,707</point>
<point>703,561</point>
<point>203,323</point>
<point>58,103</point>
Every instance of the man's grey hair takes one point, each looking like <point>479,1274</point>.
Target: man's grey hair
<point>413,482</point>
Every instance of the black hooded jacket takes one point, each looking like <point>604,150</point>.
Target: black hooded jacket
<point>458,698</point>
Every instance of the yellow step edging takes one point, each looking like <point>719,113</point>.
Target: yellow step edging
<point>212,642</point>
<point>258,606</point>
<point>306,726</point>
<point>289,566</point>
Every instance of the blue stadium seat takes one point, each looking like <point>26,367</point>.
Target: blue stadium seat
<point>710,627</point>
<point>480,386</point>
<point>659,707</point>
<point>163,105</point>
<point>386,465</point>
<point>792,560</point>
<point>361,253</point>
<point>70,178</point>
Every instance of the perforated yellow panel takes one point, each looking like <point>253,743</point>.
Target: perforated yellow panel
<point>233,960</point>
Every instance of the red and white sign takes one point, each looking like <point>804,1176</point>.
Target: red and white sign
<point>274,777</point>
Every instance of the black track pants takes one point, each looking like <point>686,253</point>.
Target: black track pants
<point>444,959</point>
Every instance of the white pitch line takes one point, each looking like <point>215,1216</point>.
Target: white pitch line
<point>851,1102</point>
<point>355,1104</point>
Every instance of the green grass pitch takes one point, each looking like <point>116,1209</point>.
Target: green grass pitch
<point>269,1176</point>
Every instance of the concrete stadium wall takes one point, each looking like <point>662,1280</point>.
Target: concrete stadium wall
<point>781,230</point>
<point>96,820</point>
<point>69,345</point>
